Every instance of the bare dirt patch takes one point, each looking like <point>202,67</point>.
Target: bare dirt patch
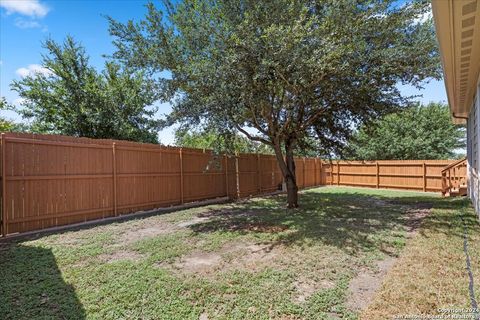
<point>233,255</point>
<point>120,255</point>
<point>415,218</point>
<point>145,231</point>
<point>200,262</point>
<point>305,288</point>
<point>362,288</point>
<point>256,256</point>
<point>194,221</point>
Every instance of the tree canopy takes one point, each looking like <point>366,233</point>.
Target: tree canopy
<point>284,72</point>
<point>421,132</point>
<point>219,142</point>
<point>72,98</point>
<point>8,125</point>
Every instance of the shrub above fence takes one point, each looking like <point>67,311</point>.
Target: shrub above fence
<point>50,181</point>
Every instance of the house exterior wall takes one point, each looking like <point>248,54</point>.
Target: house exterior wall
<point>473,152</point>
<point>457,25</point>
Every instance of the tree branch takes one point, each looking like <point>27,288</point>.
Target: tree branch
<point>253,138</point>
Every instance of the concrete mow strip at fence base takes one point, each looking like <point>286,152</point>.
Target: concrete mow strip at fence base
<point>134,215</point>
<point>50,181</point>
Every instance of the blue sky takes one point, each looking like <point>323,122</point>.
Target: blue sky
<point>24,24</point>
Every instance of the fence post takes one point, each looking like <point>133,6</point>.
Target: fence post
<point>378,174</point>
<point>259,181</point>
<point>315,172</point>
<point>4,187</point>
<point>237,175</point>
<point>181,174</point>
<point>424,177</point>
<point>338,173</point>
<point>331,172</point>
<point>304,184</point>
<point>114,165</point>
<point>226,174</point>
<point>320,173</point>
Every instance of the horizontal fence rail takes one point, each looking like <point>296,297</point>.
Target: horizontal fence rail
<point>419,175</point>
<point>50,181</point>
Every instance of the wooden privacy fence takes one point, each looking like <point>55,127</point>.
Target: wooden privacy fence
<point>49,181</point>
<point>420,175</point>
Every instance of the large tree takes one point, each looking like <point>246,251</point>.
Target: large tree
<point>284,72</point>
<point>420,132</point>
<point>70,97</point>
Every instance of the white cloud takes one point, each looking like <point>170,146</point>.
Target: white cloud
<point>32,70</point>
<point>32,8</point>
<point>424,17</point>
<point>27,24</point>
<point>18,102</point>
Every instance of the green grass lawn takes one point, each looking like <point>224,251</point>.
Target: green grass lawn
<point>250,260</point>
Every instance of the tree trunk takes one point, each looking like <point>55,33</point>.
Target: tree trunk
<point>287,166</point>
<point>292,192</point>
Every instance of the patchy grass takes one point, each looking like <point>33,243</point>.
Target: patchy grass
<point>249,260</point>
<point>431,272</point>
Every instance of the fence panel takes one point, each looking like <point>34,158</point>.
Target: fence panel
<point>408,176</point>
<point>420,175</point>
<point>231,178</point>
<point>146,177</point>
<point>49,183</point>
<point>248,169</point>
<point>326,172</point>
<point>357,173</point>
<point>203,176</point>
<point>299,172</point>
<point>272,177</point>
<point>310,172</point>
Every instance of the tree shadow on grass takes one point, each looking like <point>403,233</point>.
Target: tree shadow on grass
<point>353,222</point>
<point>451,216</point>
<point>32,287</point>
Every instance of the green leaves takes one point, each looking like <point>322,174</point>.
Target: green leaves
<point>422,132</point>
<point>220,142</point>
<point>74,99</point>
<point>8,125</point>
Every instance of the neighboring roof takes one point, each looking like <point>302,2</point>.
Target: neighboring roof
<point>458,31</point>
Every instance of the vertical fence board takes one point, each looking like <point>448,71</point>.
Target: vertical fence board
<point>114,174</point>
<point>181,176</point>
<point>4,216</point>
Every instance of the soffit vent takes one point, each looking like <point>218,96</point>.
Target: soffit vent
<point>465,44</point>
